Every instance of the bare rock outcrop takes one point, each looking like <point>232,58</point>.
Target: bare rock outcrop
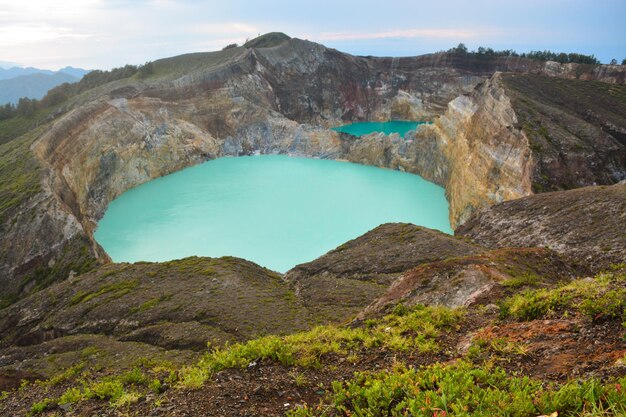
<point>474,279</point>
<point>586,225</point>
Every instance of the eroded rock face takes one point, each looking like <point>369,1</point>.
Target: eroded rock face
<point>488,159</point>
<point>586,225</point>
<point>473,279</point>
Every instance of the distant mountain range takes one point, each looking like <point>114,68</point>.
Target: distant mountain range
<point>17,82</point>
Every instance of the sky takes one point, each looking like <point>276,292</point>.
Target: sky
<point>110,33</point>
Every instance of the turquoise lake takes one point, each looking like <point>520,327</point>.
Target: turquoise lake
<point>363,128</point>
<point>275,210</point>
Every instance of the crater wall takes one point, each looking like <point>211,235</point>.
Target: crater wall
<point>283,99</point>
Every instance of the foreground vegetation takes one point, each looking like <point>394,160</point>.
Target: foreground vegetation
<point>416,330</point>
<point>470,385</point>
<point>601,298</point>
<point>463,389</point>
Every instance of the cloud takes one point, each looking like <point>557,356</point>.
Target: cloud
<point>406,33</point>
<point>19,35</point>
<point>43,10</point>
<point>108,33</point>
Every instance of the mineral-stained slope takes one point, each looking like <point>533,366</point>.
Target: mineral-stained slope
<point>587,225</point>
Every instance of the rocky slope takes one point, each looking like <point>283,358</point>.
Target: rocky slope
<point>585,225</point>
<point>341,283</point>
<point>100,351</point>
<point>179,304</point>
<point>576,130</point>
<point>469,280</point>
<point>279,99</point>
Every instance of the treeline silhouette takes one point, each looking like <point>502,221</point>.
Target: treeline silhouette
<point>560,57</point>
<point>27,107</point>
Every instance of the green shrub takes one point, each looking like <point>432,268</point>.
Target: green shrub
<point>611,304</point>
<point>66,374</point>
<point>155,386</point>
<point>592,297</point>
<point>412,328</point>
<point>70,396</point>
<point>521,280</point>
<point>464,390</point>
<point>116,290</point>
<point>41,406</point>
<point>134,377</point>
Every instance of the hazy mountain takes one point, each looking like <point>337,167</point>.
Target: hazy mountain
<point>32,85</point>
<point>76,72</point>
<point>17,82</point>
<point>13,72</point>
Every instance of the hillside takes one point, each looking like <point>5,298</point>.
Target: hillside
<point>33,86</point>
<point>520,313</point>
<point>586,225</point>
<point>513,320</point>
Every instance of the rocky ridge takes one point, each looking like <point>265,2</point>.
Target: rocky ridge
<point>585,225</point>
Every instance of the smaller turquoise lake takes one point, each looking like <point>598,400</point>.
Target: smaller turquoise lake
<point>277,211</point>
<point>363,128</point>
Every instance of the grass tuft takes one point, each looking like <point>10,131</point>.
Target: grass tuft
<point>602,297</point>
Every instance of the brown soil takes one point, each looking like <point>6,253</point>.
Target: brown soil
<point>562,349</point>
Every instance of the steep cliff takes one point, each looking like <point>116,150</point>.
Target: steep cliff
<point>488,159</point>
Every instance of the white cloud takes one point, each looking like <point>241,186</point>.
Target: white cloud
<point>19,35</point>
<point>43,10</point>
